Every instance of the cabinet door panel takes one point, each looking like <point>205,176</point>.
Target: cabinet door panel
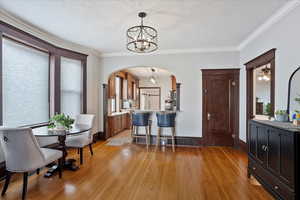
<point>274,150</point>
<point>253,139</point>
<point>287,157</point>
<point>262,142</point>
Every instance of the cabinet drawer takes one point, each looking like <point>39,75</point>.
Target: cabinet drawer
<point>270,182</point>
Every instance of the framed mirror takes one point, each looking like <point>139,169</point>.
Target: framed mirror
<point>293,104</point>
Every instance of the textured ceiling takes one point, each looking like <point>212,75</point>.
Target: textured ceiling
<point>181,24</point>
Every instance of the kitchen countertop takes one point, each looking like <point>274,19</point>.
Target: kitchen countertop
<point>129,111</point>
<point>118,113</point>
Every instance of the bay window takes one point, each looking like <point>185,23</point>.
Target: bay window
<point>71,86</point>
<point>25,78</point>
<point>38,79</point>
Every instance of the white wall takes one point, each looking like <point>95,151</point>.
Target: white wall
<point>285,37</point>
<point>187,69</point>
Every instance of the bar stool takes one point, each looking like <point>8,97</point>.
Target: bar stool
<point>166,120</point>
<point>141,119</point>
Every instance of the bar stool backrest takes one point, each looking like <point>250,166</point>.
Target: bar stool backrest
<point>165,119</point>
<point>140,119</point>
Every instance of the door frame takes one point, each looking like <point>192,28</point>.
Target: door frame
<point>263,59</point>
<point>234,109</point>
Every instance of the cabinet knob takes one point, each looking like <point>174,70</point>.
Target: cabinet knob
<point>276,187</point>
<point>264,147</point>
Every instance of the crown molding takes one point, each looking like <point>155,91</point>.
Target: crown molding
<point>276,17</point>
<point>173,51</point>
<point>29,28</point>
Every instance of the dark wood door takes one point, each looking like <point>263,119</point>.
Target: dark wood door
<point>220,107</point>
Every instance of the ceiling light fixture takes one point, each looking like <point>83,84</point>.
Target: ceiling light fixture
<point>152,78</point>
<point>142,39</point>
<point>265,74</point>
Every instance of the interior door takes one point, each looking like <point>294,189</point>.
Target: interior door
<point>220,107</point>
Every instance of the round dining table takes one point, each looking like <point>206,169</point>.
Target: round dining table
<point>44,131</point>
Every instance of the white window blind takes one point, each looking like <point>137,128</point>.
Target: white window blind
<point>25,85</point>
<point>71,86</point>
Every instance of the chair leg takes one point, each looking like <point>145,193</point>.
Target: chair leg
<point>25,182</point>
<point>60,167</point>
<point>7,180</point>
<point>38,171</point>
<point>158,137</point>
<point>91,149</point>
<point>173,139</point>
<point>81,156</point>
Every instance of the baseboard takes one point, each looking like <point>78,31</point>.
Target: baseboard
<point>99,136</point>
<point>243,146</point>
<point>179,141</point>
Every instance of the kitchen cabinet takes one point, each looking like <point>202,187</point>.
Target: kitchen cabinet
<point>132,85</point>
<point>173,81</point>
<point>273,157</point>
<point>111,87</point>
<point>117,123</point>
<point>130,82</point>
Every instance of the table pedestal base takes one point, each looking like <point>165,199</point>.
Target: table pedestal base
<point>69,165</point>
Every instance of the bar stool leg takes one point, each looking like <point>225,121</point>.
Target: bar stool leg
<point>147,139</point>
<point>158,137</point>
<point>173,139</point>
<point>132,132</point>
<point>136,131</point>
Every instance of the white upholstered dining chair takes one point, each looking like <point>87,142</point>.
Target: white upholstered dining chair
<point>84,139</point>
<point>23,154</point>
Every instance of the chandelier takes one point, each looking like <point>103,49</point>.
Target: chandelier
<point>141,39</point>
<point>265,74</point>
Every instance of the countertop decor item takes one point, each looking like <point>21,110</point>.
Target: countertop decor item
<point>61,122</point>
<point>281,115</point>
<point>141,38</point>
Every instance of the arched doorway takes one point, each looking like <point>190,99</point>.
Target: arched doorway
<point>136,88</point>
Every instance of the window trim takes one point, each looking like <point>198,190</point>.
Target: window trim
<point>55,54</point>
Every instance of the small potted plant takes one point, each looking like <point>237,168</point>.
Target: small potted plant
<point>61,122</point>
<point>281,115</point>
<point>268,110</point>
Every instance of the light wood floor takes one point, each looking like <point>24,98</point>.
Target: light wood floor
<point>131,172</point>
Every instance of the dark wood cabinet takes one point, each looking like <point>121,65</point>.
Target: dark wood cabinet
<point>173,81</point>
<point>273,157</point>
<point>117,124</point>
<point>111,87</point>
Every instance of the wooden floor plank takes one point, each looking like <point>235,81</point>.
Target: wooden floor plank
<point>131,172</point>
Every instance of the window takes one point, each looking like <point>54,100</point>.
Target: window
<point>25,85</point>
<point>118,93</point>
<point>71,86</point>
<point>31,69</point>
